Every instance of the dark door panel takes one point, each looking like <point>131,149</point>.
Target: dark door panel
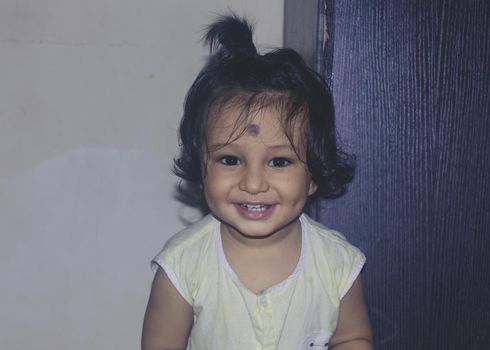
<point>411,86</point>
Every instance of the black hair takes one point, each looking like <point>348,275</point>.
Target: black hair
<point>235,69</point>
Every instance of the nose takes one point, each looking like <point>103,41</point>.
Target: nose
<point>253,180</point>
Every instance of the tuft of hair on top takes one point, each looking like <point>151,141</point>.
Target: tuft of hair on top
<point>235,71</point>
<point>230,34</point>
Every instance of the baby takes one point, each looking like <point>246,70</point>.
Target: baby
<point>258,138</point>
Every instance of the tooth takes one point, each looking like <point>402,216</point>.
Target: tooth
<point>254,207</point>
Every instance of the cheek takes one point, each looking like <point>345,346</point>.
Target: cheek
<point>208,188</point>
<point>298,188</point>
<point>213,187</point>
<point>209,196</point>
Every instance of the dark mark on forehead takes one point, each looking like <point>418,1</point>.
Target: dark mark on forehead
<point>253,129</point>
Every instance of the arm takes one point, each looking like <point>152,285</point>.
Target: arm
<point>168,317</point>
<point>353,330</point>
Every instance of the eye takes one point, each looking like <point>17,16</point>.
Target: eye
<point>229,160</point>
<point>279,162</point>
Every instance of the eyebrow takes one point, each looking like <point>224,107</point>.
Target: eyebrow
<point>217,146</point>
<point>288,146</point>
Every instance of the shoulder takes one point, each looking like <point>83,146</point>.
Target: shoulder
<point>186,256</point>
<point>333,255</point>
<point>328,238</point>
<point>187,242</point>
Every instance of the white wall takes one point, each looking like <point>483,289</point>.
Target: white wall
<point>91,93</point>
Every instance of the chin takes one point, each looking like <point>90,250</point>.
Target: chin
<point>257,229</point>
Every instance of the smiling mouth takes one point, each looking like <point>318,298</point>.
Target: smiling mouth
<point>255,207</point>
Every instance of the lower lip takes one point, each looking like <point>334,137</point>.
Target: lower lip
<point>253,214</point>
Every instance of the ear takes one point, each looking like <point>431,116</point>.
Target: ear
<point>312,188</point>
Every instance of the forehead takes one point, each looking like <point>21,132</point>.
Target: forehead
<point>264,116</point>
<point>265,125</point>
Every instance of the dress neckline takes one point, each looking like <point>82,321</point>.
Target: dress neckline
<point>278,286</point>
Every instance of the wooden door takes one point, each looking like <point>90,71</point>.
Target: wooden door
<point>411,87</point>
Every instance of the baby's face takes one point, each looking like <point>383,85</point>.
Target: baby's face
<point>255,182</point>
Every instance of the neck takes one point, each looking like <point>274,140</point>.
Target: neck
<point>288,234</point>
